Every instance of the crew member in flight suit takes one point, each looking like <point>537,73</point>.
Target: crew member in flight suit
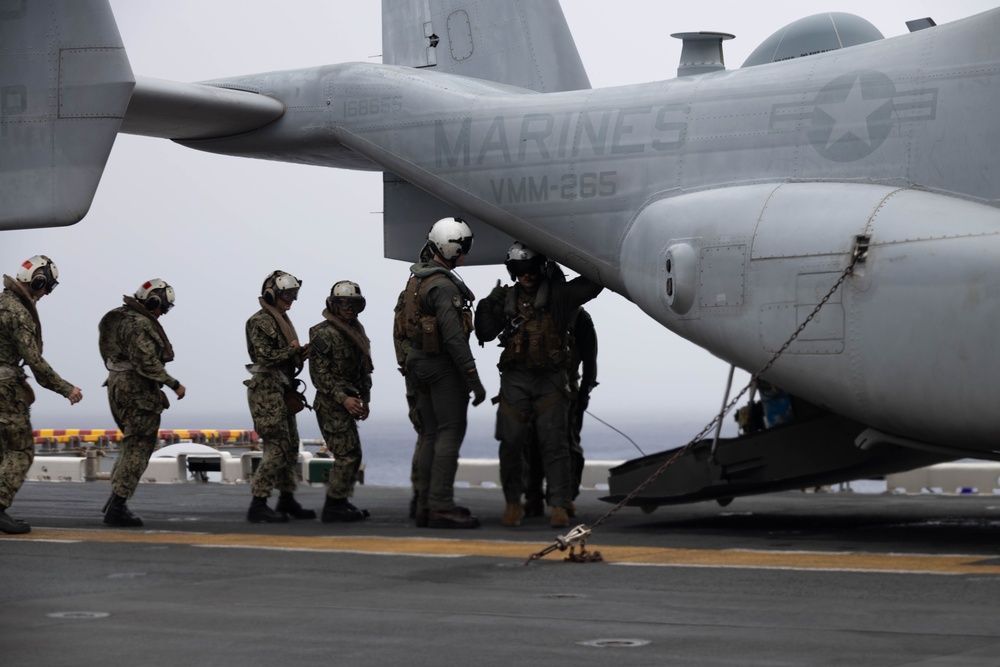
<point>135,349</point>
<point>532,317</point>
<point>582,380</point>
<point>276,361</point>
<point>21,345</point>
<point>401,343</point>
<point>340,365</point>
<point>437,318</point>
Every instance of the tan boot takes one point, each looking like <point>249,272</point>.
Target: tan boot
<point>560,518</point>
<point>512,514</point>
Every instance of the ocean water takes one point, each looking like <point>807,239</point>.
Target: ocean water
<point>388,446</point>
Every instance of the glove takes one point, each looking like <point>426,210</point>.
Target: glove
<point>498,293</point>
<point>476,387</point>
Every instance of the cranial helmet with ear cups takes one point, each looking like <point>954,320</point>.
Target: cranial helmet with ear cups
<point>280,285</point>
<point>155,293</point>
<point>39,273</point>
<point>449,238</point>
<point>521,259</point>
<point>348,290</point>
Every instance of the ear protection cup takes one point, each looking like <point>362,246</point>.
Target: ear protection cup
<point>267,289</point>
<point>39,281</point>
<point>152,302</point>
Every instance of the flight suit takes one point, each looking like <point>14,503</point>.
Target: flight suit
<point>439,376</point>
<point>582,379</point>
<point>534,382</point>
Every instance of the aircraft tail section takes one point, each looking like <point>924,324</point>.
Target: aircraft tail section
<point>524,43</point>
<point>65,83</point>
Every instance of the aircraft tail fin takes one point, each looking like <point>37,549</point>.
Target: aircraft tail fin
<point>65,83</point>
<point>524,43</point>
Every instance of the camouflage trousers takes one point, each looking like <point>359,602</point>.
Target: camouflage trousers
<point>137,417</point>
<point>17,446</point>
<point>280,433</point>
<point>340,431</point>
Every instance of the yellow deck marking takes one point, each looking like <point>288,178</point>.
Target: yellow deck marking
<point>649,556</point>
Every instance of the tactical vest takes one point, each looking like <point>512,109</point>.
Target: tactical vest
<point>536,342</point>
<point>420,328</point>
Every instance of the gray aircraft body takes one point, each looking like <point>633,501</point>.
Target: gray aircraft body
<point>726,204</point>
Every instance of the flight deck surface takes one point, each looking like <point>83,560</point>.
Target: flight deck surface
<point>789,578</point>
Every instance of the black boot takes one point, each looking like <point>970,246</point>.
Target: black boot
<point>118,514</point>
<point>290,506</point>
<point>259,511</point>
<point>339,510</point>
<point>413,505</point>
<point>104,510</point>
<point>12,526</point>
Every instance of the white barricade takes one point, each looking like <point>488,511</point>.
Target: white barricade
<point>57,469</point>
<point>981,478</point>
<point>247,464</point>
<point>486,473</point>
<point>165,470</point>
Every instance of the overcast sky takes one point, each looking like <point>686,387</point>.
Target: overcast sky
<point>215,226</point>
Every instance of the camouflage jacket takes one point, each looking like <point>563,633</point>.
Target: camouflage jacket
<point>268,348</point>
<point>336,365</point>
<point>127,336</point>
<point>19,342</point>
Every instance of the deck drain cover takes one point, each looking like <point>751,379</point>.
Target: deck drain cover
<point>78,614</point>
<point>616,643</point>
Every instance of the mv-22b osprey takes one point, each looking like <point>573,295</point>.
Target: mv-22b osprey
<point>725,203</point>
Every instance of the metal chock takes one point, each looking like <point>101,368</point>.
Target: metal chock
<point>576,537</point>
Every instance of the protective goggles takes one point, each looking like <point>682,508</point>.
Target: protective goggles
<point>350,303</point>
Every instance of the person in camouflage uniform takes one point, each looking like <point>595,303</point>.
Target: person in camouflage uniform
<point>532,319</point>
<point>340,365</point>
<point>135,348</point>
<point>21,345</point>
<point>436,316</point>
<point>276,361</point>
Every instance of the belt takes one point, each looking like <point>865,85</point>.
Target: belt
<point>260,368</point>
<point>118,365</point>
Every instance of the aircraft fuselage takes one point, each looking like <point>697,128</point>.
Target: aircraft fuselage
<point>726,205</point>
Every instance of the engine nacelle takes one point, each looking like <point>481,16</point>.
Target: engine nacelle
<point>738,270</point>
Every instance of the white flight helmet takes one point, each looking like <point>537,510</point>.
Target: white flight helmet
<point>155,293</point>
<point>349,292</point>
<point>450,238</point>
<point>280,285</point>
<point>521,259</point>
<point>38,273</point>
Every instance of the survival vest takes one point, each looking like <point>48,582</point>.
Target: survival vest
<point>535,341</point>
<point>413,324</point>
